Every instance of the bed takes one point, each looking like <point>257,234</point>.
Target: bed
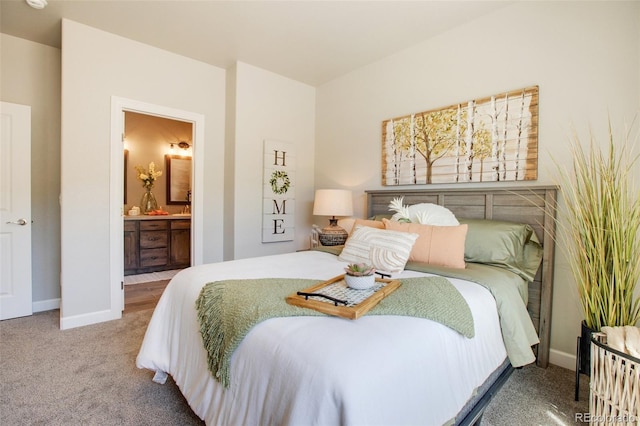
<point>379,369</point>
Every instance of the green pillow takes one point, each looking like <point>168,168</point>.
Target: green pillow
<point>509,245</point>
<point>380,217</point>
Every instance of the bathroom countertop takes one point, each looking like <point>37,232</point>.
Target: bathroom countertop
<point>156,217</point>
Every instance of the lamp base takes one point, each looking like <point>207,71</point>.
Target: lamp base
<point>333,235</point>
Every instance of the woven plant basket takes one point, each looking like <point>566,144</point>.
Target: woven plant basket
<point>615,385</point>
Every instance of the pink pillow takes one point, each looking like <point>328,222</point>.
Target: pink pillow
<point>436,245</point>
<point>366,222</point>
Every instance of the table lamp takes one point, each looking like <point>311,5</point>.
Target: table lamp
<point>333,202</point>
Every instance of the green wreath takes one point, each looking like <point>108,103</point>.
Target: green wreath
<point>280,182</point>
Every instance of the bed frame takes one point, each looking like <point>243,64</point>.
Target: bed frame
<point>534,205</point>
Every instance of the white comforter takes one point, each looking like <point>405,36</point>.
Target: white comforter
<point>323,370</point>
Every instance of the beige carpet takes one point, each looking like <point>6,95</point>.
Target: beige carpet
<point>87,376</point>
<point>538,396</point>
<point>82,376</point>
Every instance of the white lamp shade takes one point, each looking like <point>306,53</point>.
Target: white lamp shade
<point>333,202</point>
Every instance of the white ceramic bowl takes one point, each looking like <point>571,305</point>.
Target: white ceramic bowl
<point>360,283</point>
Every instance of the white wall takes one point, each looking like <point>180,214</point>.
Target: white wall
<point>268,106</point>
<point>30,75</point>
<point>584,56</point>
<point>229,165</point>
<point>96,66</point>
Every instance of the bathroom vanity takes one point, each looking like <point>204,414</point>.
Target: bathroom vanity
<point>156,243</point>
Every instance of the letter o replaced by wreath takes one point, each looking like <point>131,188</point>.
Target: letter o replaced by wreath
<point>280,182</point>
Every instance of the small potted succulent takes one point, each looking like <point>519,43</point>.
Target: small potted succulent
<point>360,276</point>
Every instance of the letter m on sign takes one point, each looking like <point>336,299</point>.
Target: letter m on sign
<point>280,208</point>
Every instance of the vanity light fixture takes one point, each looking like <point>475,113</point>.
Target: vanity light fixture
<point>185,146</point>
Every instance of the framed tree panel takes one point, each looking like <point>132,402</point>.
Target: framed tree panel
<point>491,139</point>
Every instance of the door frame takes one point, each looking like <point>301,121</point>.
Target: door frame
<point>116,194</point>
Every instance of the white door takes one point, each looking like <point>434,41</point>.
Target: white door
<point>15,211</point>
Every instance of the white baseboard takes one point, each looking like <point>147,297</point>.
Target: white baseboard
<point>562,359</point>
<point>45,305</point>
<point>88,319</point>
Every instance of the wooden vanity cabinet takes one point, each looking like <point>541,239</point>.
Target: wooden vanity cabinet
<point>130,246</point>
<point>156,245</point>
<point>180,253</point>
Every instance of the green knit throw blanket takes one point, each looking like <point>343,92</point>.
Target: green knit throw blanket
<point>227,310</point>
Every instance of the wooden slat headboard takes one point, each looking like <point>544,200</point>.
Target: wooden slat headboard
<point>534,205</point>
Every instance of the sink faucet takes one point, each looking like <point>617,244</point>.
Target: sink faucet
<point>186,209</point>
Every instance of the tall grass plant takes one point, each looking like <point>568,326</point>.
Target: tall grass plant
<point>602,229</point>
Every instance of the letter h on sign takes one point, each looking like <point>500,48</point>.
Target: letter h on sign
<point>277,157</point>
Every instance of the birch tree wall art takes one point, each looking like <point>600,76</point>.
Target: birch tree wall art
<point>491,139</point>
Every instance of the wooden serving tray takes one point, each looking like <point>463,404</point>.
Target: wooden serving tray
<point>352,311</point>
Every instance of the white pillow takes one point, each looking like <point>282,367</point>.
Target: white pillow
<point>385,250</point>
<point>430,214</point>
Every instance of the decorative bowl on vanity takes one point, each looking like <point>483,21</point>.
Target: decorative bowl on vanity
<point>360,276</point>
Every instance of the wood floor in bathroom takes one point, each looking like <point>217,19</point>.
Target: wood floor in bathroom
<point>138,297</point>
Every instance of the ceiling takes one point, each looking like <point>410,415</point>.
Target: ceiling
<point>306,40</point>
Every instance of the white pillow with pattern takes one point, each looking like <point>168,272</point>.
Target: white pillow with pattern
<point>385,250</point>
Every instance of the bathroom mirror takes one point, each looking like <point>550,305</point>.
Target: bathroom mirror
<point>178,171</point>
<point>126,161</point>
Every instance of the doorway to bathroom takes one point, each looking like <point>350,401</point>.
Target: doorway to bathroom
<point>156,152</point>
<point>157,204</point>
